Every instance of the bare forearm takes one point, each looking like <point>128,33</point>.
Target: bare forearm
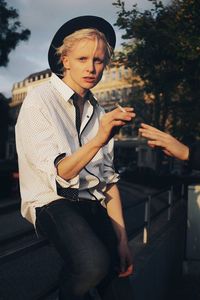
<point>71,166</point>
<point>114,210</point>
<point>183,152</point>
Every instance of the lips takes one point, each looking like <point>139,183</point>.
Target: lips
<point>89,79</point>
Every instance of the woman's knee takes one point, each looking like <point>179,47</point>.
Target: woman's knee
<point>99,265</point>
<point>93,270</point>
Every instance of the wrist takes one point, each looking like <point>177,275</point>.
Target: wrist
<point>122,238</point>
<point>186,153</point>
<point>98,141</point>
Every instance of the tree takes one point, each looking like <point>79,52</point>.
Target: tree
<point>10,32</point>
<point>163,48</point>
<point>4,121</point>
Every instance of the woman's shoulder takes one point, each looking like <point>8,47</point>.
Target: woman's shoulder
<point>38,94</point>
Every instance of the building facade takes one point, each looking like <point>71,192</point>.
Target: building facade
<point>116,85</point>
<point>20,89</point>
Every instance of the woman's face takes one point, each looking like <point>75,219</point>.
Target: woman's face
<point>84,64</point>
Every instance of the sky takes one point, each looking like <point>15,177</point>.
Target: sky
<point>43,18</point>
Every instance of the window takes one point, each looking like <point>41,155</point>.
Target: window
<point>119,73</point>
<point>108,95</point>
<point>113,75</point>
<point>126,73</point>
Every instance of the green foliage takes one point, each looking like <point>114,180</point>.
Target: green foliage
<point>163,47</point>
<point>4,120</point>
<point>10,31</point>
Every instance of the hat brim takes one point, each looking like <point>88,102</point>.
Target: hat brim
<point>72,26</point>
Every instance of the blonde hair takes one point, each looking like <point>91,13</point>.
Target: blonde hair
<point>86,33</point>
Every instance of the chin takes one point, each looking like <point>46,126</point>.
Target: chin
<point>89,86</point>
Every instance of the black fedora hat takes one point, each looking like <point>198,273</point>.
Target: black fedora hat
<point>73,25</point>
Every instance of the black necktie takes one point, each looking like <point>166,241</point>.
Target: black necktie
<point>78,115</point>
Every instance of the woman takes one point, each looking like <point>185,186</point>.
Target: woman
<point>65,151</point>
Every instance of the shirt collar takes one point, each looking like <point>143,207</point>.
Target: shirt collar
<point>66,92</point>
<point>91,98</point>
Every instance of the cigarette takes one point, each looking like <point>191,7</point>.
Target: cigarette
<point>120,107</point>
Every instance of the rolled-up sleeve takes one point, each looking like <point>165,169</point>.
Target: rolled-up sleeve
<point>110,174</point>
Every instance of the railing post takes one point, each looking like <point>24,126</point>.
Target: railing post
<point>147,218</point>
<point>183,192</point>
<point>170,199</point>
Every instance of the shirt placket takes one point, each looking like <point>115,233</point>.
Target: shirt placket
<point>86,117</point>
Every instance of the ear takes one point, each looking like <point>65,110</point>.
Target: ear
<point>65,61</point>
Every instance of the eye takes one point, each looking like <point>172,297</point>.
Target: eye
<point>82,58</point>
<point>98,61</point>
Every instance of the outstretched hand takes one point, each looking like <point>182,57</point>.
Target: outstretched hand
<point>170,145</point>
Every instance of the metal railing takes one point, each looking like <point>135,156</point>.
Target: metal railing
<point>168,208</point>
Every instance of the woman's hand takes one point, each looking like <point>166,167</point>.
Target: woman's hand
<point>126,264</point>
<point>170,145</point>
<point>114,210</point>
<point>71,165</point>
<point>111,120</point>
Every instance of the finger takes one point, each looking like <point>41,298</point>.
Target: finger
<point>126,273</point>
<point>127,109</point>
<point>167,153</point>
<point>124,117</point>
<point>152,146</point>
<point>154,136</point>
<point>152,133</point>
<point>156,143</point>
<point>117,123</point>
<point>150,128</point>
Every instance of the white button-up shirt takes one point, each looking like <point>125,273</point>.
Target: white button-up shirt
<point>45,131</point>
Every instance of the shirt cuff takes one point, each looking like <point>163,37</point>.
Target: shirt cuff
<point>59,158</point>
<point>112,178</point>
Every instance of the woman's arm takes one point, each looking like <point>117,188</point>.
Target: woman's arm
<point>170,145</point>
<point>70,166</point>
<point>114,210</point>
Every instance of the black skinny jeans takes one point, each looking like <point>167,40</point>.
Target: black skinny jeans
<point>83,235</point>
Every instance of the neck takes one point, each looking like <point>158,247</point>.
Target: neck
<point>79,98</point>
<point>80,92</point>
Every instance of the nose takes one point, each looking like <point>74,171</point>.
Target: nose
<point>90,66</point>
